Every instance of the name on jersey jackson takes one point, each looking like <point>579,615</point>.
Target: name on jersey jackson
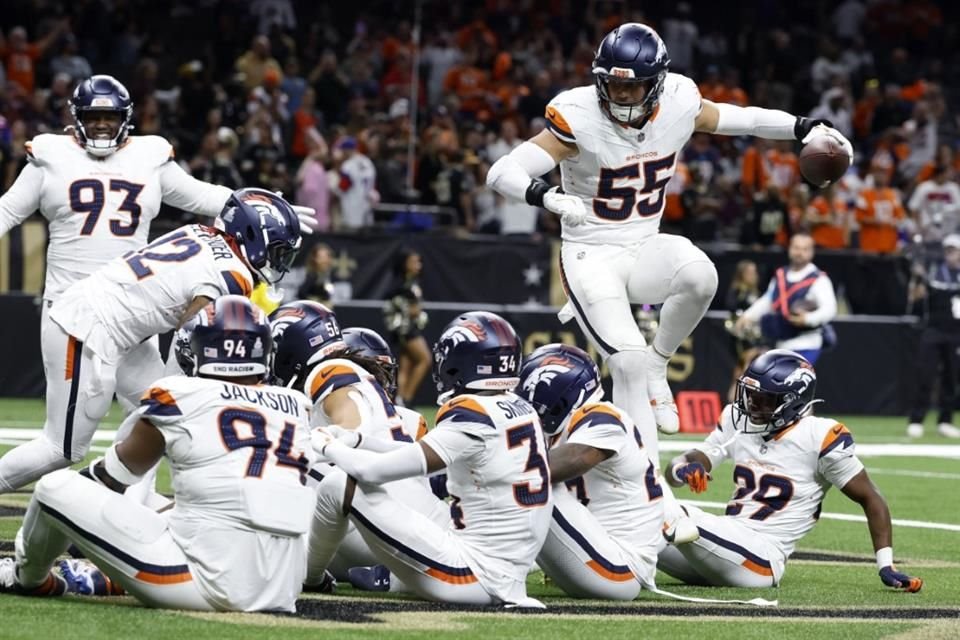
<point>264,398</point>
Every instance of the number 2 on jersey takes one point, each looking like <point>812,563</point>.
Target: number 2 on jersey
<point>522,492</point>
<point>92,204</point>
<point>188,248</point>
<point>653,185</point>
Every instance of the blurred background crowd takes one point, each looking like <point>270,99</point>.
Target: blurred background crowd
<point>349,108</point>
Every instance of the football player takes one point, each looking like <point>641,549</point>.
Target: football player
<point>100,188</point>
<point>347,387</point>
<point>489,441</point>
<point>617,144</point>
<point>239,452</point>
<point>785,461</point>
<point>605,533</point>
<point>99,321</point>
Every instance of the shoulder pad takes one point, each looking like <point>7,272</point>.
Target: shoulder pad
<point>154,149</point>
<point>595,413</point>
<point>680,94</point>
<point>464,408</point>
<point>565,113</point>
<point>837,436</point>
<point>45,146</point>
<point>237,282</point>
<point>160,399</point>
<point>329,376</point>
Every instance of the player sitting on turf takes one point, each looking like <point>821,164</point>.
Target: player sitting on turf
<point>605,533</point>
<point>785,461</point>
<point>97,321</point>
<point>490,442</point>
<point>347,385</point>
<point>239,451</point>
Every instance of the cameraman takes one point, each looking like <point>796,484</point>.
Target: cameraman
<point>935,297</point>
<point>799,302</point>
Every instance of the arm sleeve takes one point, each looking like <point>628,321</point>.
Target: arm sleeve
<point>511,175</point>
<point>771,124</point>
<point>822,293</point>
<point>608,437</point>
<point>21,199</point>
<point>378,468</point>
<point>183,191</point>
<point>715,446</point>
<point>452,444</point>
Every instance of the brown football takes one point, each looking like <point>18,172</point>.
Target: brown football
<point>823,161</point>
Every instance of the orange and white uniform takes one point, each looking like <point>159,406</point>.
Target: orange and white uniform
<point>830,234</point>
<point>879,212</point>
<point>605,530</point>
<point>781,481</point>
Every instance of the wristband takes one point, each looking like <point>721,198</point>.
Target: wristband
<point>884,557</point>
<point>536,191</point>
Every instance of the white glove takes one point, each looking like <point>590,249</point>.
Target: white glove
<point>824,130</point>
<point>569,208</point>
<point>320,438</point>
<point>307,218</point>
<point>349,437</point>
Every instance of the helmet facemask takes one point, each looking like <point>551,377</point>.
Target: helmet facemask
<point>628,113</point>
<point>88,137</point>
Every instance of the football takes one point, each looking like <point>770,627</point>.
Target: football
<point>823,161</point>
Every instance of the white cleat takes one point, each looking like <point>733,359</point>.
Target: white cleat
<point>915,430</point>
<point>682,530</point>
<point>947,430</point>
<point>661,397</point>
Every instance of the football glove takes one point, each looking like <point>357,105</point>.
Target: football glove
<point>693,474</point>
<point>824,128</point>
<point>893,578</point>
<point>569,208</point>
<point>307,218</point>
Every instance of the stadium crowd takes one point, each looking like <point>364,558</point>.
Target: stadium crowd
<point>313,99</point>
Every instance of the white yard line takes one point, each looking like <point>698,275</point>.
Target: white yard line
<point>913,474</point>
<point>915,524</point>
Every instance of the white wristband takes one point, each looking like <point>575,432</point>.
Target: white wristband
<point>117,470</point>
<point>673,472</point>
<point>884,557</point>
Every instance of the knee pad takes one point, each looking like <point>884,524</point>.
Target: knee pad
<point>698,278</point>
<point>330,492</point>
<point>51,484</point>
<point>140,525</point>
<point>627,365</point>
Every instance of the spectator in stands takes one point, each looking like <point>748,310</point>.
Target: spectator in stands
<point>797,306</point>
<point>19,56</point>
<point>833,107</point>
<point>313,184</point>
<point>828,69</point>
<point>70,62</point>
<point>768,222</point>
<point>507,141</point>
<point>405,320</point>
<point>933,297</point>
<point>743,292</point>
<point>920,132</point>
<point>317,283</point>
<point>255,63</point>
<point>355,185</point>
<point>828,219</point>
<point>879,213</point>
<point>935,205</point>
<point>331,87</point>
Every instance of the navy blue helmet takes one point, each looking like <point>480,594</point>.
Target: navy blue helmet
<point>776,390</point>
<point>631,53</point>
<point>232,340</point>
<point>97,94</point>
<point>369,344</point>
<point>477,351</point>
<point>266,229</point>
<point>305,332</point>
<point>557,379</point>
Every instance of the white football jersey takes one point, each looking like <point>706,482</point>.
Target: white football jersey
<point>622,492</point>
<point>358,178</point>
<point>499,486</point>
<point>378,416</point>
<point>782,479</point>
<point>239,456</point>
<point>621,173</point>
<point>143,293</point>
<point>100,208</point>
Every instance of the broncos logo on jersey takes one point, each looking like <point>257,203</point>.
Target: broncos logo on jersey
<point>549,369</point>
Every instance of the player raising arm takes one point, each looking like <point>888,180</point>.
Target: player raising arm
<point>99,321</point>
<point>617,144</point>
<point>239,453</point>
<point>785,461</point>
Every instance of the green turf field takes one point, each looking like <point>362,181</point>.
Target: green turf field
<point>830,588</point>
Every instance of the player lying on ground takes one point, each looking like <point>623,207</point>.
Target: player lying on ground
<point>490,443</point>
<point>605,531</point>
<point>239,452</point>
<point>785,461</point>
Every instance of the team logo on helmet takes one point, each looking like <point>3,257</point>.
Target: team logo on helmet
<point>804,376</point>
<point>465,332</point>
<point>551,367</point>
<point>620,72</point>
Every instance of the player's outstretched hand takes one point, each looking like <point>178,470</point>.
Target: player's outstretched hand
<point>569,208</point>
<point>348,437</point>
<point>893,578</point>
<point>307,217</point>
<point>693,475</point>
<point>824,130</point>
<point>320,438</point>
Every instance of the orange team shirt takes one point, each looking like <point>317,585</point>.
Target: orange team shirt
<point>20,66</point>
<point>673,209</point>
<point>753,172</point>
<point>829,235</point>
<point>784,170</point>
<point>469,83</point>
<point>878,211</point>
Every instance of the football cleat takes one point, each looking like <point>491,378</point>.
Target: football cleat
<point>661,397</point>
<point>914,430</point>
<point>947,430</point>
<point>375,578</point>
<point>53,586</point>
<point>328,585</point>
<point>682,530</point>
<point>85,579</point>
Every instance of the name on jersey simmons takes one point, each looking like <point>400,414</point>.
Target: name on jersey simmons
<point>217,243</point>
<point>269,399</point>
